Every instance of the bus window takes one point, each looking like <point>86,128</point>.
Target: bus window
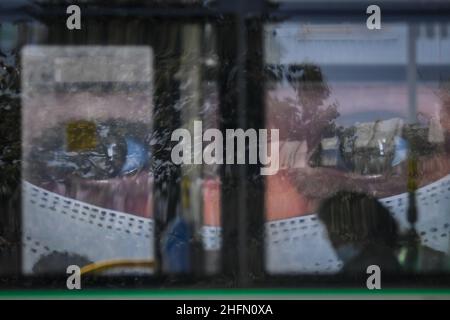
<point>356,123</point>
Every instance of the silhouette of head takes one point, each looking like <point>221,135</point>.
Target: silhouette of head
<point>357,219</point>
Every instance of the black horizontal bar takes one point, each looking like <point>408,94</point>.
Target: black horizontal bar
<point>390,8</point>
<point>305,10</point>
<point>412,281</point>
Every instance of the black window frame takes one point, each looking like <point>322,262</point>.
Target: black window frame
<point>241,78</point>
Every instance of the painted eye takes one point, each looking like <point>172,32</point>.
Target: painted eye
<point>136,157</point>
<point>89,150</point>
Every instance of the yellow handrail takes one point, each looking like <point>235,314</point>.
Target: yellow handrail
<point>109,264</point>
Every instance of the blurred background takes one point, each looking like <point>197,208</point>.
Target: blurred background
<point>85,170</point>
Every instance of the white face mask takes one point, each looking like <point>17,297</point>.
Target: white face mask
<point>346,252</point>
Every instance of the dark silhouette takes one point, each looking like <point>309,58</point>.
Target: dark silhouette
<point>362,232</point>
<point>56,263</point>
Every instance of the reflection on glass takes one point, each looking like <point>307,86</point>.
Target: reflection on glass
<point>356,123</point>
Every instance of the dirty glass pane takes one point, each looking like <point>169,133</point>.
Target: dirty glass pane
<point>364,164</point>
<point>87,189</point>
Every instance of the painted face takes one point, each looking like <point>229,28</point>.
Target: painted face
<point>347,144</point>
